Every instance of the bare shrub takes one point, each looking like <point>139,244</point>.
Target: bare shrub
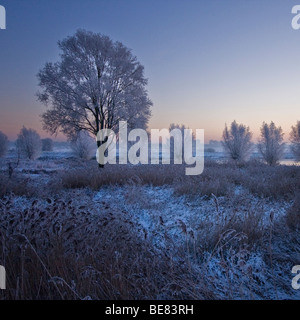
<point>293,214</point>
<point>3,144</point>
<point>47,144</point>
<point>28,143</point>
<point>83,146</point>
<point>247,224</point>
<point>295,140</point>
<point>210,150</point>
<point>270,143</point>
<point>256,177</point>
<point>17,185</point>
<point>206,185</point>
<point>268,181</point>
<point>237,141</point>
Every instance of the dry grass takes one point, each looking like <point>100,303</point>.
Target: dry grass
<point>60,249</point>
<point>219,179</point>
<point>57,243</point>
<point>293,214</point>
<point>93,177</point>
<point>19,185</point>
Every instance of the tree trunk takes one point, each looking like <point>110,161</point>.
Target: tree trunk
<point>100,166</point>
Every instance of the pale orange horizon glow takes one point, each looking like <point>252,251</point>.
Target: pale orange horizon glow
<point>12,121</point>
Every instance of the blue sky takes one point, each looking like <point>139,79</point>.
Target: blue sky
<point>208,62</point>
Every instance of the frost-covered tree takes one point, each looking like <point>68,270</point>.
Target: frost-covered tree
<point>270,143</point>
<point>3,144</point>
<point>83,146</point>
<point>295,140</point>
<point>28,143</point>
<point>96,83</point>
<point>47,144</point>
<point>177,151</point>
<point>237,141</point>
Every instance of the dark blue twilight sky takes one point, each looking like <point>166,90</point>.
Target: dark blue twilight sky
<point>208,61</point>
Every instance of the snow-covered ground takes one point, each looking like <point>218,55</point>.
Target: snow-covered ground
<point>212,231</point>
<point>171,221</point>
<point>197,232</point>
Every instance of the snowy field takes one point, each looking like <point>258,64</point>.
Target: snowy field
<point>72,231</point>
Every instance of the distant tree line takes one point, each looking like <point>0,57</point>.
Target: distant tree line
<point>237,142</point>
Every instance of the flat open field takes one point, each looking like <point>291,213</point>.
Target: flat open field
<point>72,231</point>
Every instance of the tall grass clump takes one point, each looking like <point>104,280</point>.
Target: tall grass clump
<point>68,248</point>
<point>293,214</point>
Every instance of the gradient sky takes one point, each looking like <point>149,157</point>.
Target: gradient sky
<point>208,62</point>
